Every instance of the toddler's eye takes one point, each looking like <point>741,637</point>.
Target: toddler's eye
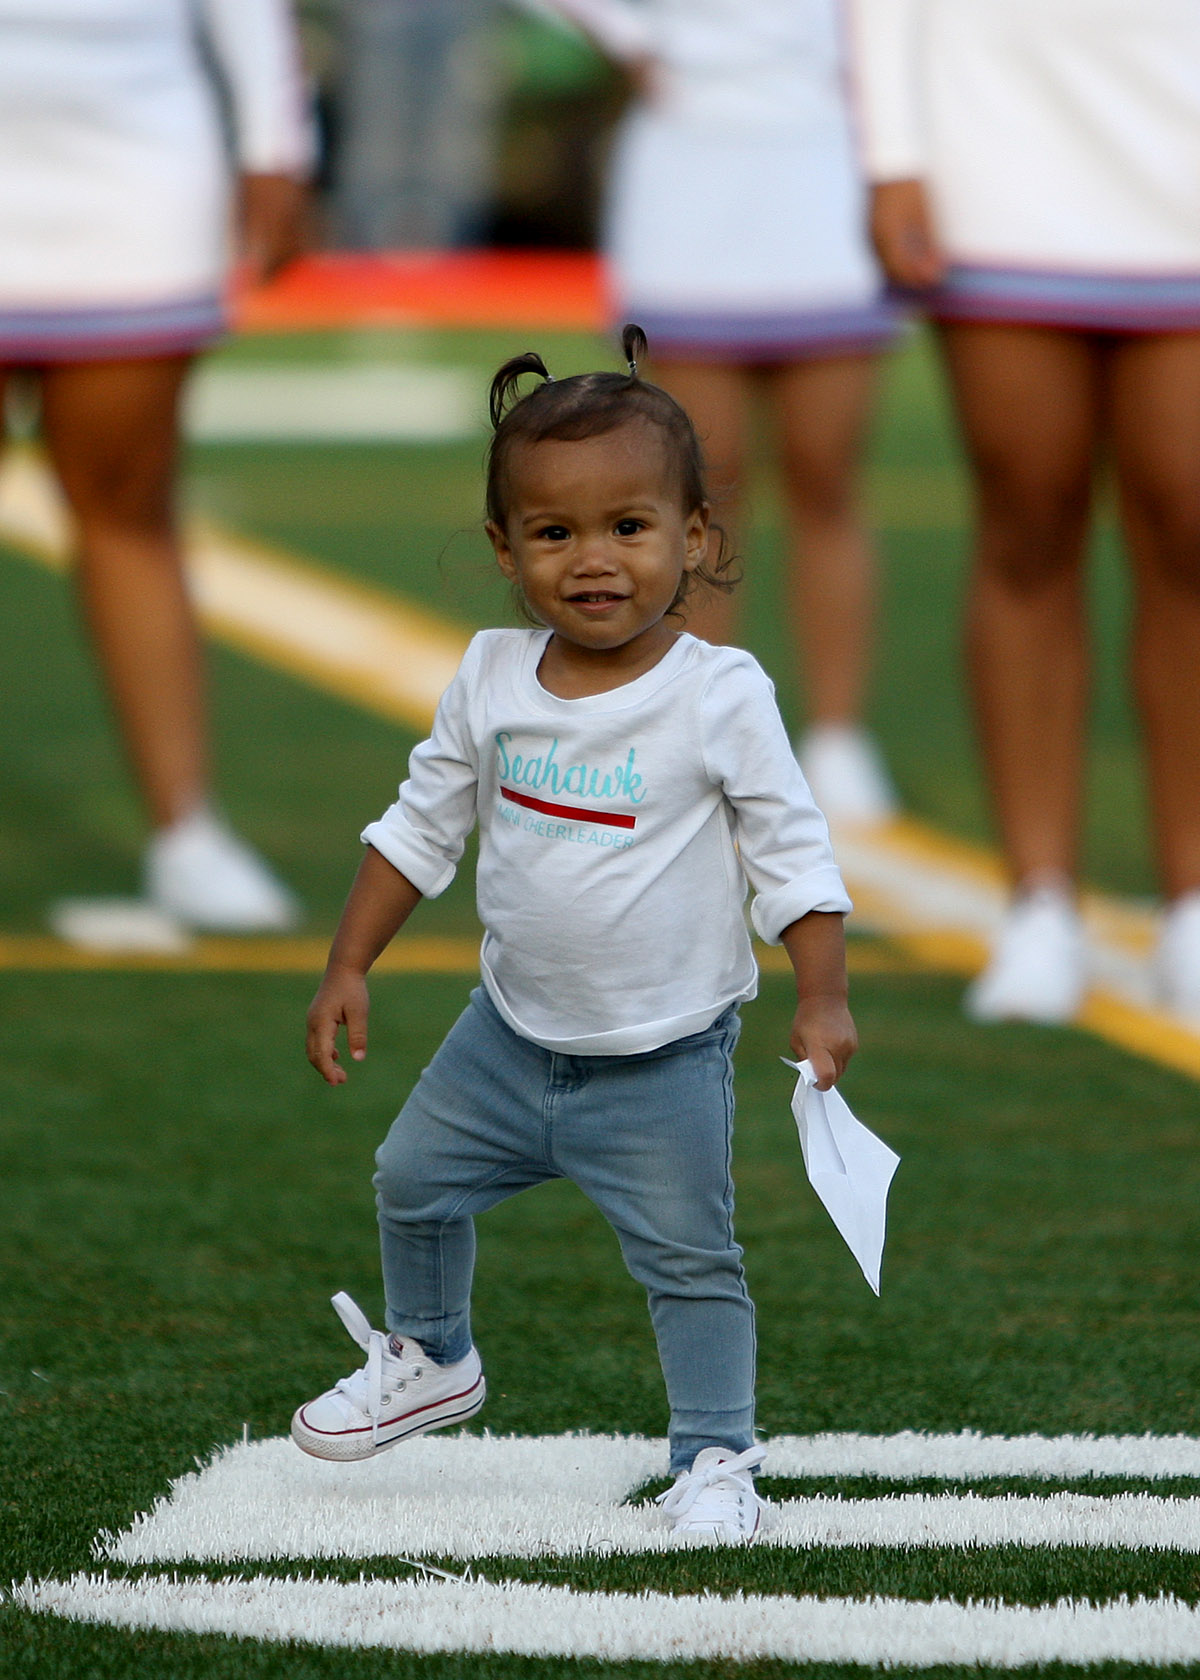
<point>553,533</point>
<point>629,527</point>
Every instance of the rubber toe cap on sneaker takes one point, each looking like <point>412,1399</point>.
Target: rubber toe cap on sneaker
<point>320,1434</point>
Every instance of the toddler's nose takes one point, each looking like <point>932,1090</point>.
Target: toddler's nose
<point>594,559</point>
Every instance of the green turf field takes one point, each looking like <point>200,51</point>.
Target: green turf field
<point>181,1194</point>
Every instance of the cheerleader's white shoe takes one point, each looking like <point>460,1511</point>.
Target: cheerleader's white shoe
<point>202,874</point>
<point>1037,970</point>
<point>1177,959</point>
<point>846,774</point>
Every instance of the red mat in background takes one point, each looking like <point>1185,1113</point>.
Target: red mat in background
<point>562,289</point>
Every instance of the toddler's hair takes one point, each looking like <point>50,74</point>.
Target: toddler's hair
<point>588,405</point>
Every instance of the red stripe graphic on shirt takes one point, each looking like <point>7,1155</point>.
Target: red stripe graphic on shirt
<point>617,819</point>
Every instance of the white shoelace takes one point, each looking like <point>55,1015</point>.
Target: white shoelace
<point>364,1389</point>
<point>681,1499</point>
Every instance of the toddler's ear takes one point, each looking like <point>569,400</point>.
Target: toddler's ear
<point>696,536</point>
<point>502,549</point>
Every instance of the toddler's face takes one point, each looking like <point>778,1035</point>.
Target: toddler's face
<point>596,539</point>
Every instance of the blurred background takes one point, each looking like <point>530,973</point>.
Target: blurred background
<point>458,122</point>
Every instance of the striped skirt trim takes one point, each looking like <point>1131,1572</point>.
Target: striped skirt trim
<point>110,332</point>
<point>763,336</point>
<point>1118,303</point>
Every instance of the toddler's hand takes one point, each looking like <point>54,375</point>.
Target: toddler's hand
<point>823,1033</point>
<point>341,1000</point>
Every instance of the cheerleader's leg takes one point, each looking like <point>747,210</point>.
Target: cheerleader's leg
<point>1154,416</point>
<point>717,397</point>
<point>112,430</point>
<point>1029,402</point>
<point>823,409</point>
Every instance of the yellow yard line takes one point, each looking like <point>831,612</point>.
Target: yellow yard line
<point>41,952</point>
<point>862,957</point>
<point>908,836</point>
<point>1143,1032</point>
<point>1147,1033</point>
<point>411,954</point>
<point>358,643</point>
<point>942,951</point>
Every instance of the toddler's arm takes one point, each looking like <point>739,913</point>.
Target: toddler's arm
<point>823,1030</point>
<point>380,902</point>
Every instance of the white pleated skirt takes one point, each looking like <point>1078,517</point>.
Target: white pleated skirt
<point>114,186</point>
<point>743,246</point>
<point>1065,161</point>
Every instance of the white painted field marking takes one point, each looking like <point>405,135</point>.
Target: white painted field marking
<point>470,1496</point>
<point>367,402</point>
<point>554,1621</point>
<point>118,926</point>
<point>968,1455</point>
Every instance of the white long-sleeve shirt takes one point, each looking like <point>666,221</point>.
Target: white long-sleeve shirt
<point>1060,134</point>
<point>617,834</point>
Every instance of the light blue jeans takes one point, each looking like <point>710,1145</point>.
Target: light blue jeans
<point>647,1138</point>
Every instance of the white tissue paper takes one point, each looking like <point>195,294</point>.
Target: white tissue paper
<point>847,1165</point>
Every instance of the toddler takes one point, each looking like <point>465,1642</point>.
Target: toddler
<point>627,780</point>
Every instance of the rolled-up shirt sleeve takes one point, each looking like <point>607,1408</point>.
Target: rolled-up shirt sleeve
<point>423,834</point>
<point>782,838</point>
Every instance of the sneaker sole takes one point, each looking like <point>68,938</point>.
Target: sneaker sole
<point>713,1535</point>
<point>359,1443</point>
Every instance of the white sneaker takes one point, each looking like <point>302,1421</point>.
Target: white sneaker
<point>846,773</point>
<point>399,1392</point>
<point>198,871</point>
<point>715,1501</point>
<point>1037,970</point>
<point>1177,959</point>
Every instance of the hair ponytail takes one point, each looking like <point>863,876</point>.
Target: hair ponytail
<point>634,346</point>
<point>503,393</point>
